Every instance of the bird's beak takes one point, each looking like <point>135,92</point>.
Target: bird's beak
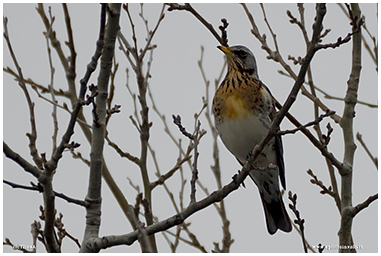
<point>225,50</point>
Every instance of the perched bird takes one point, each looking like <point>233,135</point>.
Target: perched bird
<point>243,109</point>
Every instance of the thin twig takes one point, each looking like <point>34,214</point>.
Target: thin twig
<point>29,81</point>
<point>33,135</point>
<point>372,54</point>
<point>177,121</point>
<point>41,189</point>
<point>127,155</point>
<point>169,174</point>
<point>195,170</point>
<point>328,96</point>
<point>325,190</point>
<point>374,159</point>
<point>51,88</point>
<point>189,8</point>
<point>316,121</point>
<point>151,35</point>
<point>276,56</point>
<point>298,221</point>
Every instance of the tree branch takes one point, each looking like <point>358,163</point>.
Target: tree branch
<point>187,7</point>
<point>325,190</point>
<point>41,190</point>
<point>33,135</point>
<point>277,57</point>
<point>21,161</point>
<point>298,221</point>
<point>358,208</point>
<point>374,159</point>
<point>94,189</point>
<point>316,121</point>
<point>345,233</point>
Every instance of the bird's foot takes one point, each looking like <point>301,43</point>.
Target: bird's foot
<point>235,177</point>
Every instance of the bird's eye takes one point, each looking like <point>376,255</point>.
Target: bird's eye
<point>241,54</point>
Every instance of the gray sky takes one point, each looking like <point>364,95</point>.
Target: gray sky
<point>178,88</point>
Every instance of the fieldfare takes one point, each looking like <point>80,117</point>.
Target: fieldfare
<point>243,108</point>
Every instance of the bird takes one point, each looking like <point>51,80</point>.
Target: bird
<point>243,109</point>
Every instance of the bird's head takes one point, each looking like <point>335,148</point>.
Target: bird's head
<point>240,58</point>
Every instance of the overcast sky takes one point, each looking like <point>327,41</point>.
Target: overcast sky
<point>178,88</point>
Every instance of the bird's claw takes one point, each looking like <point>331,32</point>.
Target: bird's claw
<point>235,177</point>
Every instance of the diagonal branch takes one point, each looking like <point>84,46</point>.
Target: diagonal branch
<point>358,208</point>
<point>41,189</point>
<point>189,8</point>
<point>29,81</point>
<point>320,146</point>
<point>151,34</point>
<point>21,161</point>
<point>325,190</point>
<point>127,155</point>
<point>169,174</point>
<point>276,56</point>
<point>374,159</point>
<point>316,121</point>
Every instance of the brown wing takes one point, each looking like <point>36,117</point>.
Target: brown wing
<point>278,146</point>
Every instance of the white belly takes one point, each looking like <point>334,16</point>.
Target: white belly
<point>241,136</point>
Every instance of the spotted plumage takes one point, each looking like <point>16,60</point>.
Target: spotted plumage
<point>243,108</point>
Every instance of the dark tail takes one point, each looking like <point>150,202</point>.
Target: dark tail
<point>276,216</point>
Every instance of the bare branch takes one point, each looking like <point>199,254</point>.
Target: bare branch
<point>29,81</point>
<point>17,247</point>
<point>151,34</point>
<point>358,208</point>
<point>189,8</point>
<point>276,56</point>
<point>51,88</point>
<point>177,121</point>
<point>70,76</point>
<point>298,221</point>
<point>195,170</point>
<point>300,23</point>
<point>374,159</point>
<point>21,161</point>
<point>316,121</point>
<point>346,123</point>
<point>127,155</point>
<point>33,135</point>
<point>70,43</point>
<point>372,52</point>
<point>62,233</point>
<point>169,174</point>
<point>328,96</point>
<point>325,190</point>
<point>40,189</point>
